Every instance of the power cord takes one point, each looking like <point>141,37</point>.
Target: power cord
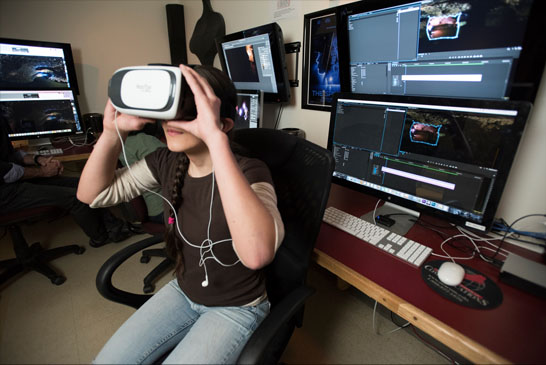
<point>376,330</point>
<point>405,325</point>
<point>278,116</point>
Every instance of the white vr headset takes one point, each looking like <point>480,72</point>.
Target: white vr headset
<point>146,91</point>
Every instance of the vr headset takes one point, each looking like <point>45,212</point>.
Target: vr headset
<point>147,91</point>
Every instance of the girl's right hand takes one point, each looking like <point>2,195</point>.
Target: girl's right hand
<point>126,123</point>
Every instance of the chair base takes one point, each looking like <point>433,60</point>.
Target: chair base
<point>34,257</point>
<point>158,271</point>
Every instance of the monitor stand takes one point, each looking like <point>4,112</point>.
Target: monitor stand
<point>39,144</point>
<point>404,218</point>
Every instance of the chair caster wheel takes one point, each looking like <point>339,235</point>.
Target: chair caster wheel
<point>80,250</point>
<point>58,280</point>
<point>148,289</point>
<point>145,259</point>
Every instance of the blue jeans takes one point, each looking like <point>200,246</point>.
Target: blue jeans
<point>196,333</point>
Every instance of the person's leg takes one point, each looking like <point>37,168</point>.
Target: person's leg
<point>152,330</point>
<point>219,335</point>
<point>59,192</point>
<point>99,225</point>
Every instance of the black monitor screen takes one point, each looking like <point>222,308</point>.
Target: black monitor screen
<point>447,48</point>
<point>34,65</point>
<point>40,113</point>
<point>445,156</point>
<point>255,59</point>
<point>249,109</point>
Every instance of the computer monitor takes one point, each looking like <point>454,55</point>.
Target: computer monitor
<point>40,114</point>
<point>249,109</point>
<point>449,48</point>
<point>255,59</point>
<point>443,156</point>
<point>36,65</point>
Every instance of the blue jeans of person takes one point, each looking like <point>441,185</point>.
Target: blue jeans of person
<point>197,334</point>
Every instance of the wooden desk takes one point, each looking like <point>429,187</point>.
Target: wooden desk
<point>513,332</point>
<point>74,153</point>
<point>70,152</point>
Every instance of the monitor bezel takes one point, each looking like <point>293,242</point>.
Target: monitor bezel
<point>54,135</point>
<point>523,81</point>
<point>276,40</point>
<point>69,59</point>
<point>503,165</point>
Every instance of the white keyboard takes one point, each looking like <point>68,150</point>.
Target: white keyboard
<point>410,251</point>
<point>50,152</point>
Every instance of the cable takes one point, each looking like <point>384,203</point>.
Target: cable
<point>278,116</point>
<point>374,210</point>
<point>432,346</point>
<point>502,227</point>
<point>207,243</point>
<point>510,227</point>
<point>512,236</point>
<point>376,331</point>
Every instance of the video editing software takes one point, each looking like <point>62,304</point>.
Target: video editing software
<point>443,157</point>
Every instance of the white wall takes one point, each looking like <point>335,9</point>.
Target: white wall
<point>106,35</point>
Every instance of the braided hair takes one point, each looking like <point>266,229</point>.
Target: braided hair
<point>224,89</point>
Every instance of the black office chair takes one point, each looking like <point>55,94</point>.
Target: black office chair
<point>32,257</point>
<point>302,174</point>
<point>139,212</point>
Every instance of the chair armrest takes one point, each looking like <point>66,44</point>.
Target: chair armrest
<point>267,330</point>
<point>104,276</point>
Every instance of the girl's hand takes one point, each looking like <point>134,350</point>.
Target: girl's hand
<point>126,123</point>
<point>207,124</point>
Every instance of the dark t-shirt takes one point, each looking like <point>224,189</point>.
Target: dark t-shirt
<point>227,286</point>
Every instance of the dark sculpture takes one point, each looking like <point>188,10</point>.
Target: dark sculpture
<point>211,25</point>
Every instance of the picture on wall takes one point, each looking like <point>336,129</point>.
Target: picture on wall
<point>320,60</point>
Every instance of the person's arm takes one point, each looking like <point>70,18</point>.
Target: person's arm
<point>98,172</point>
<point>251,225</point>
<point>26,166</point>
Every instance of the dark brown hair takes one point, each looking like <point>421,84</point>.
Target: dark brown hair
<point>226,92</point>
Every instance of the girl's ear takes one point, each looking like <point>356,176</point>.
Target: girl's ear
<point>227,124</point>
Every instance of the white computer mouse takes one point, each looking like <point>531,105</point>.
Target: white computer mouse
<point>451,273</point>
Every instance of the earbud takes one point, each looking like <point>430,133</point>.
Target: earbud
<point>205,283</point>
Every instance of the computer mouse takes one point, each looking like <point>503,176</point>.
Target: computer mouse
<point>450,273</point>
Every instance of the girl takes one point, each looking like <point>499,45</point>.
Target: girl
<point>222,228</point>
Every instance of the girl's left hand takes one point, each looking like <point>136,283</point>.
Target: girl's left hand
<point>207,124</point>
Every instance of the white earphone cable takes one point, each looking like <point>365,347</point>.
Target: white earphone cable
<point>207,244</point>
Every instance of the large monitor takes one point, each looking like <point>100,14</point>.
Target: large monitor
<point>40,114</point>
<point>249,109</point>
<point>443,156</point>
<point>255,59</point>
<point>36,65</point>
<point>492,49</point>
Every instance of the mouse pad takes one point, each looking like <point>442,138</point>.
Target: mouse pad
<point>476,290</point>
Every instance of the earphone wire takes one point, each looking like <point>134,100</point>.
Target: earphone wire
<point>207,240</point>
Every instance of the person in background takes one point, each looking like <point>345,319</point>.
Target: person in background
<point>137,146</point>
<point>29,181</point>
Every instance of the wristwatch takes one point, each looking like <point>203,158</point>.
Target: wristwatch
<point>36,159</point>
